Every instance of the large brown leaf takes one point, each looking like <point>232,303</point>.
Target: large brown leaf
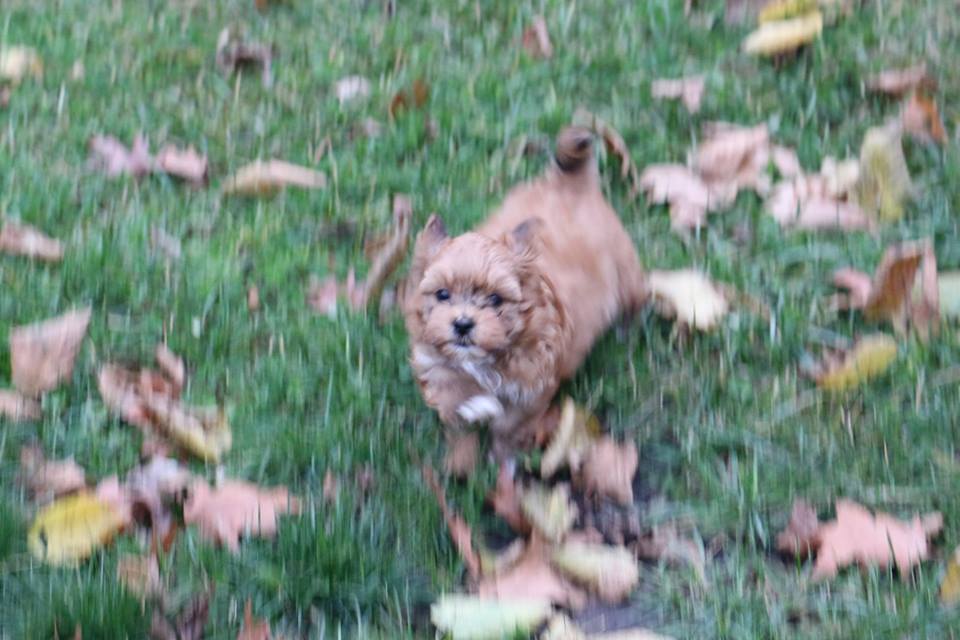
<point>46,479</point>
<point>30,242</point>
<point>533,577</point>
<point>43,354</point>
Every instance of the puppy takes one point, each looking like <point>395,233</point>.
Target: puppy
<point>500,316</point>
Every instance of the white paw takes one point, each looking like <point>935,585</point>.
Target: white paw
<point>480,409</point>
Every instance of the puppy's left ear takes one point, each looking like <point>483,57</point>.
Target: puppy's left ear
<point>523,238</point>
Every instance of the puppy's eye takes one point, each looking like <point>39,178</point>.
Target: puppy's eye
<point>495,300</point>
<point>443,295</point>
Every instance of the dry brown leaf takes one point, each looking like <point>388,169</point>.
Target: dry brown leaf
<point>899,82</point>
<point>536,39</point>
<point>856,536</point>
<point>331,487</point>
<point>253,629</point>
<point>666,543</point>
<point>172,366</point>
<point>236,508</point>
<point>111,157</point>
<point>261,178</point>
<point>689,89</point>
<point>609,468</point>
<point>18,408</point>
<point>46,479</point>
<point>727,150</point>
<point>42,354</point>
<point>140,575</point>
<point>921,119</point>
<point>119,390</point>
<point>463,450</point>
<point>24,240</point>
<point>890,293</point>
<point>416,97</point>
<point>786,161</point>
<point>533,577</point>
<point>459,529</point>
<point>322,295</point>
<point>615,144</point>
<point>351,89</point>
<point>234,53</point>
<point>505,500</point>
<point>253,298</point>
<point>800,536</point>
<point>805,202</point>
<point>183,163</point>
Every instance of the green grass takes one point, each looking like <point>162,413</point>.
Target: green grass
<point>728,433</point>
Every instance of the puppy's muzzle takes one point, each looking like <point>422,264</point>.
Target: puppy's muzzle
<point>463,325</point>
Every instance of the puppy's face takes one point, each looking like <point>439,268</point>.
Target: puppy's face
<point>470,301</point>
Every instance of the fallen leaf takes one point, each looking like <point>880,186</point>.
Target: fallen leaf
<point>111,157</point>
<point>686,193</point>
<point>462,452</point>
<point>689,296</point>
<point>666,543</point>
<point>235,508</point>
<point>948,288</point>
<point>172,366</point>
<point>417,96</point>
<point>24,240</point>
<point>505,500</point>
<point>253,298</point>
<point>183,163</point>
<point>234,53</point>
<point>785,9</point>
<point>856,536</point>
<point>322,295</point>
<point>786,161</point>
<point>869,357</point>
<point>575,434</point>
<point>351,89</point>
<point>550,511</point>
<point>950,586</point>
<point>331,487</point>
<point>688,89</point>
<point>18,62</point>
<point>727,151</point>
<point>536,39</point>
<point>899,82</point>
<point>532,576</point>
<point>921,119</point>
<point>615,144</point>
<point>840,178</point>
<point>151,488</point>
<point>800,536</point>
<point>609,468</point>
<point>459,529</point>
<point>18,408</point>
<point>253,629</point>
<point>42,354</point>
<point>610,572</point>
<point>805,202</point>
<point>784,36</point>
<point>119,390</point>
<point>46,479</point>
<point>72,528</point>
<point>266,178</point>
<point>140,575</point>
<point>884,179</point>
<point>203,431</point>
<point>472,618</point>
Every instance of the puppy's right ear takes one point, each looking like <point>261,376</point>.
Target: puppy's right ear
<point>428,243</point>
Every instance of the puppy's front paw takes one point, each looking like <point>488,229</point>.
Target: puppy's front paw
<point>480,409</point>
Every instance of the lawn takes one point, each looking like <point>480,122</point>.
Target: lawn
<point>729,433</point>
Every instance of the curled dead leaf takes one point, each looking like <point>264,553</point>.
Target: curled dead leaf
<point>42,354</point>
<point>609,468</point>
<point>24,240</point>
<point>234,53</point>
<point>536,39</point>
<point>920,119</point>
<point>17,407</point>
<point>261,178</point>
<point>186,164</point>
<point>111,157</point>
<point>46,479</point>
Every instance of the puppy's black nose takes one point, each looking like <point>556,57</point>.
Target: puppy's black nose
<point>463,325</point>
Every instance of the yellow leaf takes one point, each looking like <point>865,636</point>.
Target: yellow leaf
<point>551,512</point>
<point>689,295</point>
<point>784,9</point>
<point>572,440</point>
<point>473,618</point>
<point>204,432</point>
<point>610,572</point>
<point>783,36</point>
<point>950,587</point>
<point>70,529</point>
<point>265,178</point>
<point>18,62</point>
<point>884,178</point>
<point>870,357</point>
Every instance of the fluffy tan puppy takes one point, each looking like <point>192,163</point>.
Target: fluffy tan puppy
<point>500,316</point>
